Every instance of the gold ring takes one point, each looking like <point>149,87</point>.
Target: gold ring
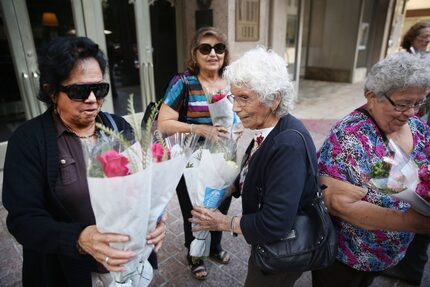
<point>107,260</point>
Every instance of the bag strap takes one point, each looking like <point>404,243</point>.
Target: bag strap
<point>318,194</point>
<point>185,94</point>
<point>308,154</point>
<point>111,121</point>
<point>383,135</point>
<point>182,111</point>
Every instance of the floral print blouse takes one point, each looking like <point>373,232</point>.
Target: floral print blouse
<point>352,148</point>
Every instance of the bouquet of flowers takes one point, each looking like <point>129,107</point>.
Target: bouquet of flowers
<point>170,156</point>
<point>220,109</point>
<point>121,177</point>
<point>399,176</point>
<point>119,182</point>
<point>210,173</point>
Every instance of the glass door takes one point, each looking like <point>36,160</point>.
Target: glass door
<point>294,37</point>
<point>25,26</point>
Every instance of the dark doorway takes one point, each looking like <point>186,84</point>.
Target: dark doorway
<point>163,31</point>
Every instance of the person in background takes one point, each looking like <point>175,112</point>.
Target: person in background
<point>417,38</point>
<point>374,228</point>
<point>276,166</point>
<point>45,188</point>
<point>416,41</point>
<point>208,56</point>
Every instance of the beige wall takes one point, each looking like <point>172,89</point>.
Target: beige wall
<point>238,48</point>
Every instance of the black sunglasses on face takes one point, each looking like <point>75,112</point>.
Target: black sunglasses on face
<point>206,49</point>
<point>81,92</point>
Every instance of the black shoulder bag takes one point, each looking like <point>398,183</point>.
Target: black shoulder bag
<point>311,243</point>
<point>182,110</point>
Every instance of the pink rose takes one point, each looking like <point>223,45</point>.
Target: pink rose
<point>158,152</point>
<point>218,97</point>
<point>424,173</point>
<point>423,190</point>
<point>114,164</point>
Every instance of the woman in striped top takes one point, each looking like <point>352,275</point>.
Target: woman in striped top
<point>185,109</point>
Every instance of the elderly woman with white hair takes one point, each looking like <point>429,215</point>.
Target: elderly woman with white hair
<point>374,228</point>
<point>277,164</point>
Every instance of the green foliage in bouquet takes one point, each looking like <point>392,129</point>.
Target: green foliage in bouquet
<point>380,170</point>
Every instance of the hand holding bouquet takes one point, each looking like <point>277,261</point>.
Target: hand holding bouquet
<point>400,176</point>
<point>209,175</point>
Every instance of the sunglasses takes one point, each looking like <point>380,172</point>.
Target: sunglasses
<point>81,92</point>
<point>206,49</point>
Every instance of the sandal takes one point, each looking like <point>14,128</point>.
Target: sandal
<point>197,267</point>
<point>221,257</point>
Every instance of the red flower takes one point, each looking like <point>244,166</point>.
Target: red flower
<point>158,152</point>
<point>218,97</point>
<point>114,164</point>
<point>423,188</point>
<point>424,173</point>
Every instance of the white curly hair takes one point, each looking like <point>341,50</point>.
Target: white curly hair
<point>265,73</point>
<point>398,72</point>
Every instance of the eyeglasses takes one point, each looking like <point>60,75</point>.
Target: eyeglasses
<point>81,92</point>
<point>206,49</point>
<point>403,107</point>
<point>424,37</point>
<point>240,101</point>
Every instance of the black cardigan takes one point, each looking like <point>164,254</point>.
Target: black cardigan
<point>36,217</point>
<point>279,168</point>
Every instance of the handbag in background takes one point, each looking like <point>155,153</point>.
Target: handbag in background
<point>311,243</point>
<point>182,111</point>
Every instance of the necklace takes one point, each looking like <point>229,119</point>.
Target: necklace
<point>75,133</point>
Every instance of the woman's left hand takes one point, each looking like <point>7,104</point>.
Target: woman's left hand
<point>157,236</point>
<point>208,219</point>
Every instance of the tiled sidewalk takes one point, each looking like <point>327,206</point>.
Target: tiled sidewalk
<point>320,105</point>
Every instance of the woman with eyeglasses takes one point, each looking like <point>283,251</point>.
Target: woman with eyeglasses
<point>185,110</point>
<point>411,267</point>
<point>45,188</point>
<point>374,228</point>
<point>275,181</point>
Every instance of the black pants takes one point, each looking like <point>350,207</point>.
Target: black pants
<point>340,274</point>
<point>257,278</point>
<point>411,268</point>
<point>186,207</point>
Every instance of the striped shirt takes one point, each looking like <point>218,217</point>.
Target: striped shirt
<point>197,109</point>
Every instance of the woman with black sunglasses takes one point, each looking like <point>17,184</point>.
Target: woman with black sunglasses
<point>185,109</point>
<point>45,188</point>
